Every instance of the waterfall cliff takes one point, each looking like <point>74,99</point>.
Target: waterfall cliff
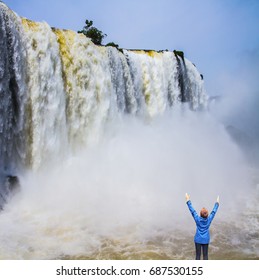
<point>58,89</point>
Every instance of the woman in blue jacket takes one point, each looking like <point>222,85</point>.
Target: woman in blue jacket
<point>203,222</point>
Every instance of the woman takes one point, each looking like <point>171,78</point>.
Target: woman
<point>203,222</point>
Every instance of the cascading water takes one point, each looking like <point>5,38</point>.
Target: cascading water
<point>105,150</point>
<point>12,90</point>
<point>58,83</point>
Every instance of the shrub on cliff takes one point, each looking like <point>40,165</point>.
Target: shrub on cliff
<point>112,44</point>
<point>92,32</point>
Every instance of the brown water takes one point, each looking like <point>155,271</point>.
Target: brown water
<point>175,248</point>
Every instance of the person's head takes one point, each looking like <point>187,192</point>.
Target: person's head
<point>204,213</point>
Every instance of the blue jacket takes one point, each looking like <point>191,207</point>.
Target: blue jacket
<point>202,235</point>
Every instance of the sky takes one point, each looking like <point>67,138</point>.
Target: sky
<point>221,37</point>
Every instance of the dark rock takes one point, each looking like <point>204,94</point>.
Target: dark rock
<point>12,183</point>
<point>9,186</point>
<point>179,53</point>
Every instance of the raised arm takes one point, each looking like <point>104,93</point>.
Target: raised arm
<point>214,210</point>
<point>192,210</point>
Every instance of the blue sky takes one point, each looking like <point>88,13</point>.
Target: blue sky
<point>220,36</point>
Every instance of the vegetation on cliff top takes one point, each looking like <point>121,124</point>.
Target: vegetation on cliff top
<point>97,37</point>
<point>92,32</point>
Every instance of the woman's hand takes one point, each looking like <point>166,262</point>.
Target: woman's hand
<point>187,196</point>
<point>218,199</point>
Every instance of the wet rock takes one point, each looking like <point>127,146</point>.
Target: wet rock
<point>10,185</point>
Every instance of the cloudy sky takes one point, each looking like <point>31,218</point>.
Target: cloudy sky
<point>220,36</point>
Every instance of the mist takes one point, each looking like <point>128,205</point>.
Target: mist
<point>130,185</point>
<point>238,101</point>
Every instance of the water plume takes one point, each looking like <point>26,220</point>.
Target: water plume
<point>127,189</point>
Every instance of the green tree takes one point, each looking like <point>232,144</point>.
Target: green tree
<point>93,33</point>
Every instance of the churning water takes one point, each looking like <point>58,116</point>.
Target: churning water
<point>105,151</point>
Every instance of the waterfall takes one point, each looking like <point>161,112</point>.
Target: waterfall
<point>45,114</point>
<point>13,88</point>
<point>58,89</point>
<point>104,143</point>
